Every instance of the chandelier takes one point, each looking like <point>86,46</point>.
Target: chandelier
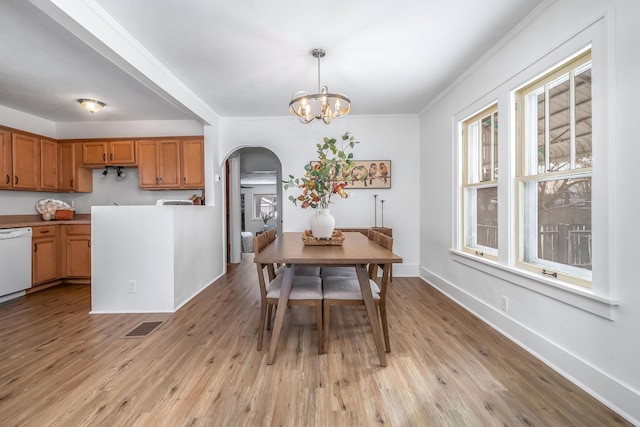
<point>322,105</point>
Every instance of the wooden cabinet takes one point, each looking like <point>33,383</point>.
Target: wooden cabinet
<point>70,176</point>
<point>48,164</point>
<point>159,163</point>
<point>170,163</point>
<point>108,153</point>
<point>25,151</point>
<point>44,255</point>
<point>6,173</point>
<point>77,252</point>
<point>192,167</point>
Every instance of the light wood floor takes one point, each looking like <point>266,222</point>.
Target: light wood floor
<point>61,366</point>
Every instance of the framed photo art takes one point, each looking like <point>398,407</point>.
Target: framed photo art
<point>378,173</point>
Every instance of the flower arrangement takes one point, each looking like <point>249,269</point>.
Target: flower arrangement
<point>326,176</point>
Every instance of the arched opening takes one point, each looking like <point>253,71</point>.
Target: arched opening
<point>253,198</point>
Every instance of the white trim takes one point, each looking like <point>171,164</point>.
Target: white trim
<point>573,295</point>
<point>569,365</point>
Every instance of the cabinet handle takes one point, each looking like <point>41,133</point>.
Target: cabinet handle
<point>8,180</point>
<point>156,181</point>
<point>89,242</point>
<point>35,247</point>
<point>71,183</point>
<point>16,179</point>
<point>160,180</point>
<point>184,180</point>
<point>44,231</point>
<point>104,157</point>
<point>111,156</point>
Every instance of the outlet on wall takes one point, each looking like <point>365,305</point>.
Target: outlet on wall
<point>505,303</point>
<point>132,286</point>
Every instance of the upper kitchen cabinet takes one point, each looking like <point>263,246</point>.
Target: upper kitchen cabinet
<point>48,164</point>
<point>71,177</point>
<point>108,153</point>
<point>6,173</point>
<point>25,151</point>
<point>192,151</point>
<point>159,163</point>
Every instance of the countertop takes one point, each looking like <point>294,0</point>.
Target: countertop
<point>12,221</point>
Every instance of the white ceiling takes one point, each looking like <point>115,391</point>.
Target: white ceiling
<point>239,58</point>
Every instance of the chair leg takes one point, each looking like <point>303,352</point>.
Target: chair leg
<point>269,317</point>
<point>263,310</point>
<point>385,326</point>
<point>319,325</point>
<point>326,311</point>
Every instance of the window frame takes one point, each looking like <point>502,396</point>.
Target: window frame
<point>526,176</point>
<point>257,205</point>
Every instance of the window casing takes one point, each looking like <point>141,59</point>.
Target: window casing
<point>264,205</point>
<point>554,146</point>
<point>480,183</point>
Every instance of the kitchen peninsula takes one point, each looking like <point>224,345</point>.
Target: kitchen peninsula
<point>150,258</point>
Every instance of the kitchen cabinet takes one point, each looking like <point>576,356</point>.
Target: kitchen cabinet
<point>192,167</point>
<point>159,163</point>
<point>48,164</point>
<point>44,256</point>
<point>108,153</point>
<point>76,263</point>
<point>71,177</point>
<point>6,173</point>
<point>25,151</point>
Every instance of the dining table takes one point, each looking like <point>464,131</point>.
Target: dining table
<point>356,250</point>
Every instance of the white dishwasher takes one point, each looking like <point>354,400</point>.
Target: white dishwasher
<point>15,262</point>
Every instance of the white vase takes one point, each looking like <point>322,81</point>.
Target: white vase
<point>322,224</point>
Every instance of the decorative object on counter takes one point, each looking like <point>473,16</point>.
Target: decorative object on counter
<point>64,214</point>
<point>48,208</point>
<point>336,239</point>
<point>323,178</point>
<point>91,105</point>
<point>264,216</point>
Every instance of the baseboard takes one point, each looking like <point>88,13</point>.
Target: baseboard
<point>617,396</point>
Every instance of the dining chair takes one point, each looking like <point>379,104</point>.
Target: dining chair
<point>345,291</point>
<point>344,271</point>
<point>305,290</point>
<point>301,270</point>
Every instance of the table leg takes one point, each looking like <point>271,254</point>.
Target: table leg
<point>363,279</point>
<point>285,290</point>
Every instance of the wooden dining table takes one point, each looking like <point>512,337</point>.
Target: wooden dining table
<point>356,250</point>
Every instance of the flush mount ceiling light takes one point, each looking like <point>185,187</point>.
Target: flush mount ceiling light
<point>91,105</point>
<point>322,105</point>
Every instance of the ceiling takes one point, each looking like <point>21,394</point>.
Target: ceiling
<point>238,58</point>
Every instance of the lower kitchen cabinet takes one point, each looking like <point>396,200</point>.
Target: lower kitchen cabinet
<point>44,256</point>
<point>77,252</point>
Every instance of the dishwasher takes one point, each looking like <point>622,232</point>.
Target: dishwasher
<point>15,262</point>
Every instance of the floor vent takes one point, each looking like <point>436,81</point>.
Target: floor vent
<point>143,329</point>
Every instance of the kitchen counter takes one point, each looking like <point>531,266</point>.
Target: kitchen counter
<point>14,221</point>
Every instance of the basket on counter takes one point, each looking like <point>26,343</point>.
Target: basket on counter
<point>336,239</point>
<point>64,214</point>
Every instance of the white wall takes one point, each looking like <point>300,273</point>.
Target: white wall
<point>599,354</point>
<point>392,138</point>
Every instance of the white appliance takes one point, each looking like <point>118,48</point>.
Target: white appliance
<point>15,262</point>
<point>168,202</point>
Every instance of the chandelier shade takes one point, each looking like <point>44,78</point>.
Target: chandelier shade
<point>91,105</point>
<point>323,105</point>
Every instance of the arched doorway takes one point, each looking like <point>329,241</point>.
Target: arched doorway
<point>253,195</point>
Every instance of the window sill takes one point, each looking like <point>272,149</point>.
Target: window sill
<point>575,296</point>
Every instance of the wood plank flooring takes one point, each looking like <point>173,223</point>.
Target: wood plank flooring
<point>60,366</point>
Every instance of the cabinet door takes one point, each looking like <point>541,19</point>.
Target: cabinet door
<point>5,159</point>
<point>78,256</point>
<point>169,163</point>
<point>25,150</point>
<point>48,164</point>
<point>94,153</point>
<point>192,163</point>
<point>70,176</point>
<point>44,260</point>
<point>122,153</point>
<point>148,164</point>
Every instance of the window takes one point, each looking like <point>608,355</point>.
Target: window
<point>480,183</point>
<point>554,145</point>
<point>264,206</point>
